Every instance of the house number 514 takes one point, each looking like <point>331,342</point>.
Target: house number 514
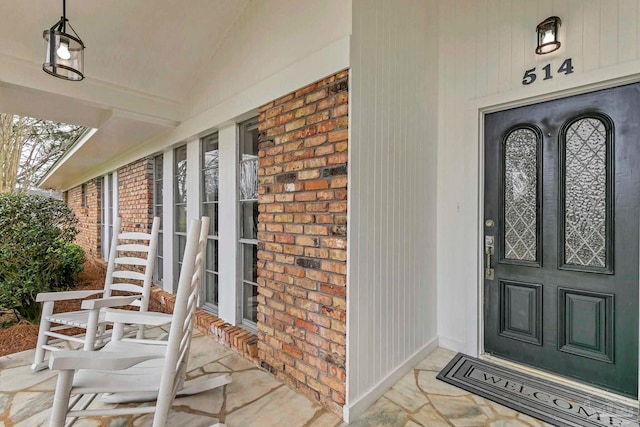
<point>530,75</point>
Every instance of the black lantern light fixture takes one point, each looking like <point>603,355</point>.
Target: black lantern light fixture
<point>548,35</point>
<point>64,52</point>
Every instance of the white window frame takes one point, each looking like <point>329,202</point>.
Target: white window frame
<point>228,289</point>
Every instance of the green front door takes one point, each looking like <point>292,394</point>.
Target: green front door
<point>561,220</point>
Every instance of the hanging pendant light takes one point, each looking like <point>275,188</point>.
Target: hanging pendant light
<point>64,52</point>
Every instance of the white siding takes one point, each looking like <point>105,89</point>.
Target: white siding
<point>269,36</point>
<point>485,47</point>
<point>391,300</point>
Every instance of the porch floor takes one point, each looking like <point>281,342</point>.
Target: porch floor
<point>256,398</point>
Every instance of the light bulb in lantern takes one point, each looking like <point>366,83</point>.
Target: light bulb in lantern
<point>548,37</point>
<point>63,50</point>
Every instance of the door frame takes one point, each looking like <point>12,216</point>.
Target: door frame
<point>598,80</point>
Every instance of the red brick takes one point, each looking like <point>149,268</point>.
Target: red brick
<point>301,301</point>
<point>292,105</point>
<point>316,185</point>
<point>317,207</point>
<point>341,110</point>
<point>316,253</point>
<point>315,140</point>
<point>295,352</point>
<point>327,126</point>
<point>302,219</point>
<point>324,219</point>
<point>307,325</point>
<point>316,96</point>
<point>324,150</point>
<point>326,103</point>
<point>293,228</point>
<point>309,174</point>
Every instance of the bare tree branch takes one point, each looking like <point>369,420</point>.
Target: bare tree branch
<point>29,147</point>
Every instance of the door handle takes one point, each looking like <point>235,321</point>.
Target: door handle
<point>489,245</point>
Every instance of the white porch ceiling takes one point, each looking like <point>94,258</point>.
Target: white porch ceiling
<point>142,60</point>
<point>151,47</point>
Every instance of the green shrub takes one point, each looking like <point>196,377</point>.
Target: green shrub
<point>36,253</point>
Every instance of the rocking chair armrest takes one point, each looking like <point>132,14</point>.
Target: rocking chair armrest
<point>92,304</point>
<point>96,360</point>
<point>150,318</point>
<point>66,295</point>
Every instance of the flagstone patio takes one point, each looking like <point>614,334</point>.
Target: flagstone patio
<point>256,398</point>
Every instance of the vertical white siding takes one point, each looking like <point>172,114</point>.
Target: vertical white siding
<point>391,294</point>
<point>485,47</point>
<point>269,36</point>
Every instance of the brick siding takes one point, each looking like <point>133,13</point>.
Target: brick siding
<point>135,193</point>
<point>302,175</point>
<point>88,216</point>
<point>233,337</point>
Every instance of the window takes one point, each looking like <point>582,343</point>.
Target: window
<point>586,197</point>
<point>157,211</point>
<point>248,212</point>
<point>522,201</point>
<point>209,207</point>
<point>85,196</point>
<point>180,208</point>
<point>103,220</point>
<point>110,207</point>
<point>108,195</point>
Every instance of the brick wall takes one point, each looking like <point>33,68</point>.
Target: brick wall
<point>135,193</point>
<point>88,216</point>
<point>302,231</point>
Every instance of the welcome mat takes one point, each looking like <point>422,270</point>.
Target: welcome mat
<point>554,403</point>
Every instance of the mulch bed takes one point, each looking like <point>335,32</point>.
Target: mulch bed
<point>23,336</point>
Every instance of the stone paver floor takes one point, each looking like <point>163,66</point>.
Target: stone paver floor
<point>256,398</point>
<point>419,399</point>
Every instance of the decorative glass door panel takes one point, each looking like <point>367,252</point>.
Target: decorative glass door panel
<point>561,294</point>
<point>521,234</point>
<point>586,197</point>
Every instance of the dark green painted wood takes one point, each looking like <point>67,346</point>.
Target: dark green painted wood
<point>589,326</point>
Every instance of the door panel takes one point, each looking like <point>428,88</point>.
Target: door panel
<point>562,191</point>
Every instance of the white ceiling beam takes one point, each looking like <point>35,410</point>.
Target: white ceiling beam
<point>18,73</point>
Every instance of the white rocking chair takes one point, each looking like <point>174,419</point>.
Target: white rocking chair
<point>123,258</point>
<point>135,370</point>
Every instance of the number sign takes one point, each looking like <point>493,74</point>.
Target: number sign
<point>530,76</point>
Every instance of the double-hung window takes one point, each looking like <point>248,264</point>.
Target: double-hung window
<point>180,209</point>
<point>248,212</point>
<point>108,196</point>
<point>209,183</point>
<point>157,211</point>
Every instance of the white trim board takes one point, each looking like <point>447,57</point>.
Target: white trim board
<point>351,411</point>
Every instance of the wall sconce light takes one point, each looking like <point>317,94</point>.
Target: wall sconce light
<point>64,53</point>
<point>548,35</point>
